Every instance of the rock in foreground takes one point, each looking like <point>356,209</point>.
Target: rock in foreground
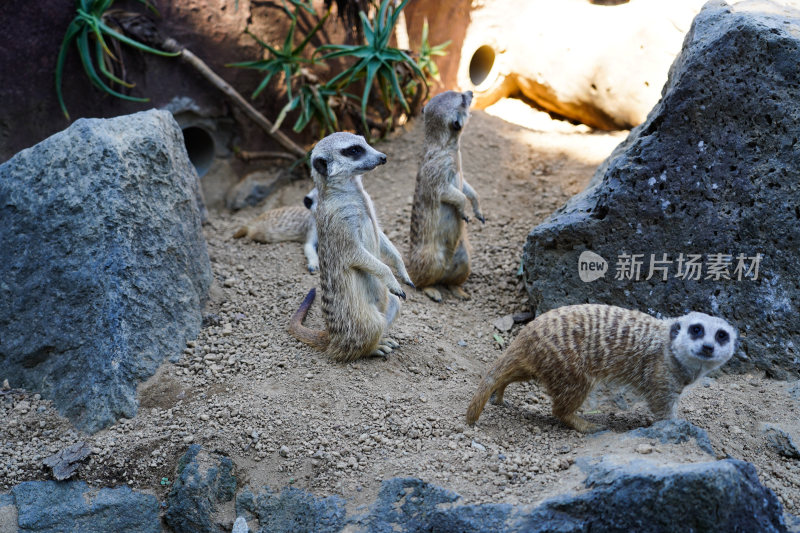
<point>103,264</point>
<point>698,209</point>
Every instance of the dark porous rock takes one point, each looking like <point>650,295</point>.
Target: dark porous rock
<point>617,495</point>
<point>103,263</point>
<point>781,441</point>
<point>675,432</point>
<point>202,483</point>
<point>644,496</point>
<point>55,507</point>
<point>293,510</point>
<point>409,504</point>
<point>714,171</point>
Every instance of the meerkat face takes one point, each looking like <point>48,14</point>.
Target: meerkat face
<point>701,341</point>
<point>310,200</point>
<point>342,155</point>
<point>447,112</point>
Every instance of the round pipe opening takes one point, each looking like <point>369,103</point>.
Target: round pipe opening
<point>481,64</point>
<point>200,147</point>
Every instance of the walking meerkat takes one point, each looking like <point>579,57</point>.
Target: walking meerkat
<point>439,249</point>
<point>569,349</point>
<point>293,223</point>
<point>359,292</point>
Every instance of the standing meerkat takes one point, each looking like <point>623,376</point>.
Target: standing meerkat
<point>293,223</point>
<point>439,249</point>
<point>569,349</point>
<point>359,292</point>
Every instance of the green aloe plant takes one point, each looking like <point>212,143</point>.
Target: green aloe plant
<point>425,62</point>
<point>90,25</point>
<point>376,61</point>
<point>289,58</point>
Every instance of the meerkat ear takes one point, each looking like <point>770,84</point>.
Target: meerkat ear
<point>674,330</point>
<point>321,166</point>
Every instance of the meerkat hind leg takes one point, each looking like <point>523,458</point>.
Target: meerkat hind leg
<point>433,293</point>
<point>459,292</point>
<point>386,345</point>
<point>567,400</point>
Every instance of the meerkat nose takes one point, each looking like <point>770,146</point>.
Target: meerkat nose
<point>707,351</point>
<point>382,159</point>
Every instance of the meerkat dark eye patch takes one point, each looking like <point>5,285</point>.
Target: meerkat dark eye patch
<point>353,152</point>
<point>696,331</point>
<point>320,165</point>
<point>457,125</point>
<point>674,330</point>
<point>722,337</point>
<point>308,202</point>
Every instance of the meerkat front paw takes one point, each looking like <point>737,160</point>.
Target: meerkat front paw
<point>465,217</point>
<point>313,268</point>
<point>479,216</point>
<point>397,290</point>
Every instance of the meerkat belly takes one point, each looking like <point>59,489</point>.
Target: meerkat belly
<point>448,227</point>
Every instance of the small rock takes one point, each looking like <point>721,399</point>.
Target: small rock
<point>283,451</point>
<point>6,386</point>
<point>644,448</point>
<point>462,343</point>
<point>478,446</point>
<point>240,526</point>
<point>504,323</point>
<point>22,406</point>
<point>229,282</point>
<point>188,439</point>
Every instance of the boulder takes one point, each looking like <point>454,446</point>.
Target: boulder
<point>644,496</point>
<point>703,198</point>
<point>202,483</point>
<point>103,263</point>
<point>55,507</point>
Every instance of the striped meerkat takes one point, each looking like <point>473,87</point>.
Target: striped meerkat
<point>439,250</point>
<point>569,349</point>
<point>359,292</point>
<point>292,223</point>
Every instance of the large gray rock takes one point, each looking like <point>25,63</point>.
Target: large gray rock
<point>103,264</point>
<point>715,169</point>
<point>60,507</point>
<point>645,497</point>
<point>617,495</point>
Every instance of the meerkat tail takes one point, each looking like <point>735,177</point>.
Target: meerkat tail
<point>241,232</point>
<point>484,392</point>
<point>313,337</point>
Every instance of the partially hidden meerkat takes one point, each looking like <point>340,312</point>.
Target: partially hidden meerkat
<point>359,291</point>
<point>292,223</point>
<point>439,250</point>
<point>569,349</point>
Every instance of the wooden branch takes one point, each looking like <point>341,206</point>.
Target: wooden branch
<point>198,64</point>
<point>248,156</point>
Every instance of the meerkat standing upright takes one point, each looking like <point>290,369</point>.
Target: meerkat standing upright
<point>292,223</point>
<point>439,250</point>
<point>569,349</point>
<point>359,292</point>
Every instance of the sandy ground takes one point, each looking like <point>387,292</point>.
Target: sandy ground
<point>287,415</point>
